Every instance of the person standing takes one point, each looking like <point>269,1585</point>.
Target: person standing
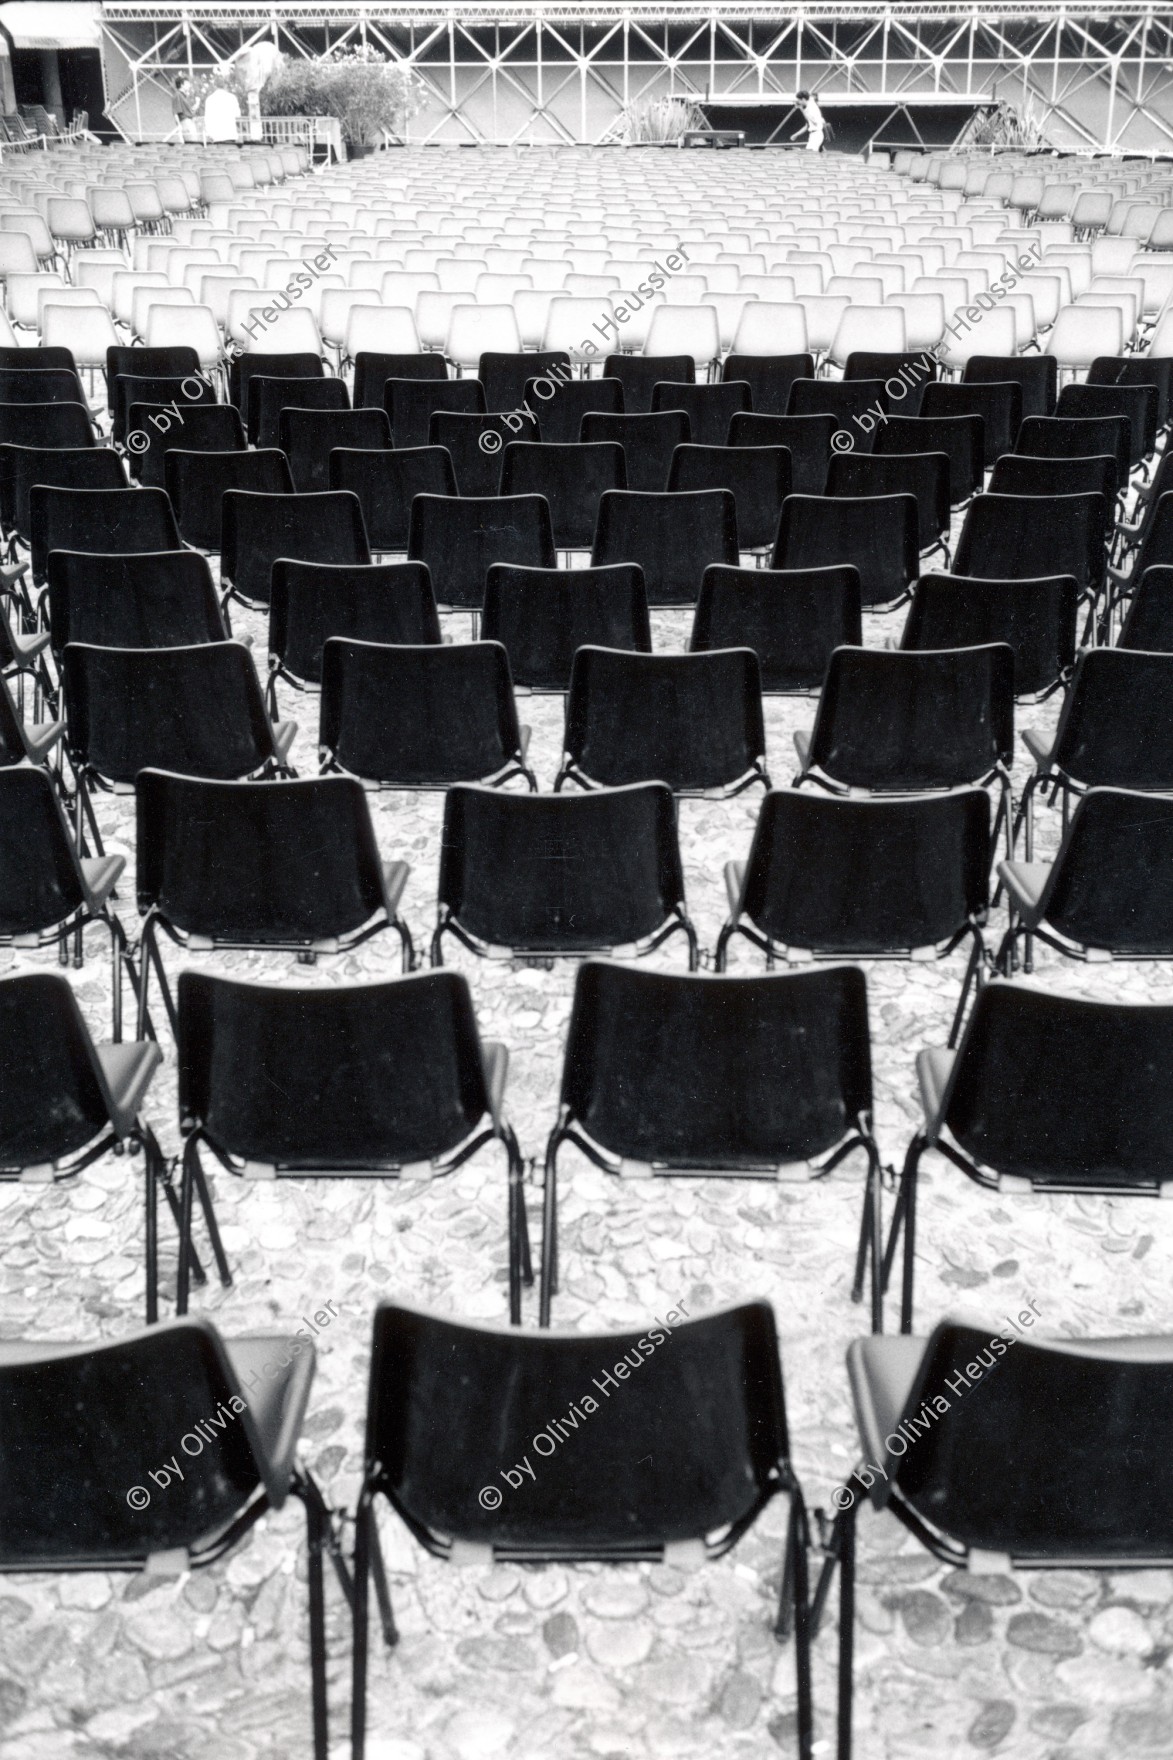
<point>184,105</point>
<point>221,115</point>
<point>816,126</point>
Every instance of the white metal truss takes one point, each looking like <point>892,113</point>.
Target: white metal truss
<point>1097,76</point>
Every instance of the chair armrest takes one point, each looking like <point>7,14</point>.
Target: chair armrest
<point>802,745</point>
<point>127,1070</point>
<point>1036,744</point>
<point>101,874</point>
<point>28,647</point>
<point>394,876</point>
<point>284,733</point>
<point>1025,882</point>
<point>495,1058</point>
<point>9,575</point>
<point>734,880</point>
<point>933,1069</point>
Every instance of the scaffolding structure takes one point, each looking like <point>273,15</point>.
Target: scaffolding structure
<point>1095,77</point>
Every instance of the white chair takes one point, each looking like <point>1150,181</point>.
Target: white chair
<point>769,328</point>
<point>924,318</point>
<point>1076,259</point>
<point>951,289</point>
<point>546,273</point>
<point>729,308</point>
<point>334,312</point>
<point>1161,342</point>
<point>691,330</point>
<point>87,330</point>
<point>381,329</point>
<point>433,314</point>
<point>778,289</point>
<point>216,289</point>
<point>474,330</point>
<point>495,290</point>
<point>126,281</point>
<point>872,329</point>
<point>685,290</point>
<point>291,332</point>
<point>99,276</point>
<point>1111,256</point>
<point>591,286</point>
<point>145,298</point>
<point>994,332</point>
<point>185,327</point>
<point>823,312</point>
<point>1082,332</point>
<point>457,276</point>
<point>532,309</point>
<point>585,329</point>
<point>64,296</point>
<point>402,287</point>
<point>1129,290</point>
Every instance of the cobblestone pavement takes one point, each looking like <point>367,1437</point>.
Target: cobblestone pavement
<point>628,1663</point>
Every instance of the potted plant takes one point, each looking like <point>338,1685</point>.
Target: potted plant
<point>660,122</point>
<point>371,97</point>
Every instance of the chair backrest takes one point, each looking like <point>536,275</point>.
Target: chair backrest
<point>80,467</point>
<point>506,376</point>
<point>792,619</point>
<point>560,415</point>
<point>563,872</point>
<point>42,883</point>
<point>1107,887</point>
<point>40,385</point>
<point>461,537</point>
<point>176,1368</point>
<point>198,481</point>
<point>411,403</point>
<point>877,534</point>
<point>1149,622</point>
<point>1116,726</point>
<point>648,442</point>
<point>673,537</point>
<point>154,599</point>
<point>269,395</point>
<point>1035,1089</point>
<point>258,528</point>
<point>693,721</point>
<point>859,877</point>
<point>1138,402</point>
<point>386,482</point>
<point>372,370</point>
<point>711,1402</point>
<point>1017,473</point>
<point>758,478</point>
<point>923,475</point>
<point>1077,437</point>
<point>998,404</point>
<point>307,437</point>
<point>46,424</point>
<point>709,408</point>
<point>312,601</point>
<point>243,368</point>
<point>1010,536</point>
<point>195,710</point>
<point>639,376</point>
<point>542,616</point>
<point>1036,374</point>
<point>378,1075</point>
<point>256,862</point>
<point>98,520</point>
<point>1036,617</point>
<point>1050,1496</point>
<point>909,721</point>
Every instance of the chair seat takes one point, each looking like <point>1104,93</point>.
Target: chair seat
<point>41,738</point>
<point>802,745</point>
<point>734,881</point>
<point>394,877</point>
<point>284,733</point>
<point>1037,744</point>
<point>882,1372</point>
<point>1025,882</point>
<point>932,1069</point>
<point>101,874</point>
<point>277,1393</point>
<point>127,1070</point>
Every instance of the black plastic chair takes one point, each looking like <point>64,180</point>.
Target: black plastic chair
<point>372,371</point>
<point>572,478</point>
<point>1046,1494</point>
<point>475,444</point>
<point>277,865</point>
<point>505,377</point>
<point>269,397</point>
<point>1154,549</point>
<point>39,358</point>
<point>960,438</point>
<point>899,722</point>
<point>1078,437</point>
<point>460,538</point>
<point>374,1079</point>
<point>806,438</point>
<point>1036,374</point>
<point>846,400</point>
<point>902,373</point>
<point>667,1074</point>
<point>923,475</point>
<point>46,425</point>
<point>74,467</point>
<point>40,386</point>
<point>648,442</point>
<point>876,534</point>
<point>1021,537</point>
<point>1149,623</point>
<point>104,522</point>
<point>1019,474</point>
<point>136,1399</point>
<point>673,537</point>
<point>421,717</point>
<point>1045,1093</point>
<point>410,404</point>
<point>998,404</point>
<point>542,616</point>
<point>693,721</point>
<point>151,363</point>
<point>1129,537</point>
<point>451,1403</point>
<point>197,711</point>
<point>709,408</point>
<point>769,377</point>
<point>1137,402</point>
<point>197,483</point>
<point>1115,731</point>
<point>561,875</point>
<point>23,742</point>
<point>386,482</point>
<point>48,893</point>
<point>258,529</point>
<point>793,619</point>
<point>1106,895</point>
<point>64,1102</point>
<point>1146,369</point>
<point>206,427</point>
<point>640,374</point>
<point>865,879</point>
<point>758,478</point>
<point>255,364</point>
<point>308,436</point>
<point>159,599</point>
<point>1036,618</point>
<point>175,396</point>
<point>312,601</point>
<point>560,416</point>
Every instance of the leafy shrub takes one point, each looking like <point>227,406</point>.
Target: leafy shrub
<point>371,96</point>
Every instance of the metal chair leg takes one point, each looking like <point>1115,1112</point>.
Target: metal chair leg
<point>362,1570</point>
<point>846,1627</point>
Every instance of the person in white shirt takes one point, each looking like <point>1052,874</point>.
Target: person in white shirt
<point>221,115</point>
<point>815,124</point>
